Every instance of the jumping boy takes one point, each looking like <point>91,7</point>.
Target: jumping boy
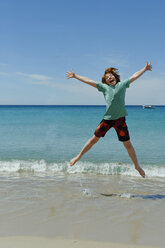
<point>114,94</point>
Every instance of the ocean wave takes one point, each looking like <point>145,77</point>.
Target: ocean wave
<point>22,166</point>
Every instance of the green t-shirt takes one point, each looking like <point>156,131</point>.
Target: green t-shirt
<point>115,99</point>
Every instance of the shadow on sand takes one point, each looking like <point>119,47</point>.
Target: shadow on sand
<point>151,197</point>
<point>128,195</point>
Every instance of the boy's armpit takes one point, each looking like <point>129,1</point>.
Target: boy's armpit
<point>100,86</point>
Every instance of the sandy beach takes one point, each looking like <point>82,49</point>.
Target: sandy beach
<point>38,242</point>
<point>32,208</point>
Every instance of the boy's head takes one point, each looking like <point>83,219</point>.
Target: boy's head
<point>111,76</point>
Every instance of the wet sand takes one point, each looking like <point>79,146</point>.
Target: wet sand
<point>72,207</point>
<point>36,242</point>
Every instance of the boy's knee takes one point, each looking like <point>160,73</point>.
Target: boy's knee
<point>127,144</point>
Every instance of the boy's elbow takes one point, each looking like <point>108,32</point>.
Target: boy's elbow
<point>132,79</point>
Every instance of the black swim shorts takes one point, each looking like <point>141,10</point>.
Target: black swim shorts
<point>119,125</point>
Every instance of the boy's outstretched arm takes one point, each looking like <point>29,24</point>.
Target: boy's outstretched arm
<point>148,67</point>
<point>83,79</point>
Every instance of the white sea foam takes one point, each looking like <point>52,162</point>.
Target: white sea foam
<point>80,168</point>
<point>126,195</point>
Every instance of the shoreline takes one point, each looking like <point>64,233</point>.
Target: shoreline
<point>42,242</point>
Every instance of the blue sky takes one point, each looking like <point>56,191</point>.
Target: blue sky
<point>41,40</point>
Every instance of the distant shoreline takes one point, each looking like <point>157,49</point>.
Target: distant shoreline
<point>60,105</point>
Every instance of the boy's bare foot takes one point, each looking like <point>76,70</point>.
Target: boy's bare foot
<point>141,171</point>
<point>73,161</point>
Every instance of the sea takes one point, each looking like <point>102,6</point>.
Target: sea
<point>100,196</point>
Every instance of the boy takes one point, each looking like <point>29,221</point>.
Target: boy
<point>114,94</point>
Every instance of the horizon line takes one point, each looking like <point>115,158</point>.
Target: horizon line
<point>71,105</point>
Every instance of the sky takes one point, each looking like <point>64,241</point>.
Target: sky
<point>43,39</point>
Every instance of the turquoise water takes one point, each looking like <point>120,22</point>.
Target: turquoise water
<point>47,137</point>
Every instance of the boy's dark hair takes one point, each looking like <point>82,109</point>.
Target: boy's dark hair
<point>112,70</point>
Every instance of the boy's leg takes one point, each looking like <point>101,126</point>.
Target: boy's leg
<point>86,148</point>
<point>132,155</point>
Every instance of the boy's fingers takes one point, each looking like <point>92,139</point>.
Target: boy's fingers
<point>69,74</point>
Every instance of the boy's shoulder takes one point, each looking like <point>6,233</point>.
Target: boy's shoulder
<point>101,87</point>
<point>124,83</point>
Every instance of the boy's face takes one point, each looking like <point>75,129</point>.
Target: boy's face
<point>110,79</point>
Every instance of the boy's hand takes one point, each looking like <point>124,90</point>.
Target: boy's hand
<point>81,78</point>
<point>148,67</point>
<point>70,74</point>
